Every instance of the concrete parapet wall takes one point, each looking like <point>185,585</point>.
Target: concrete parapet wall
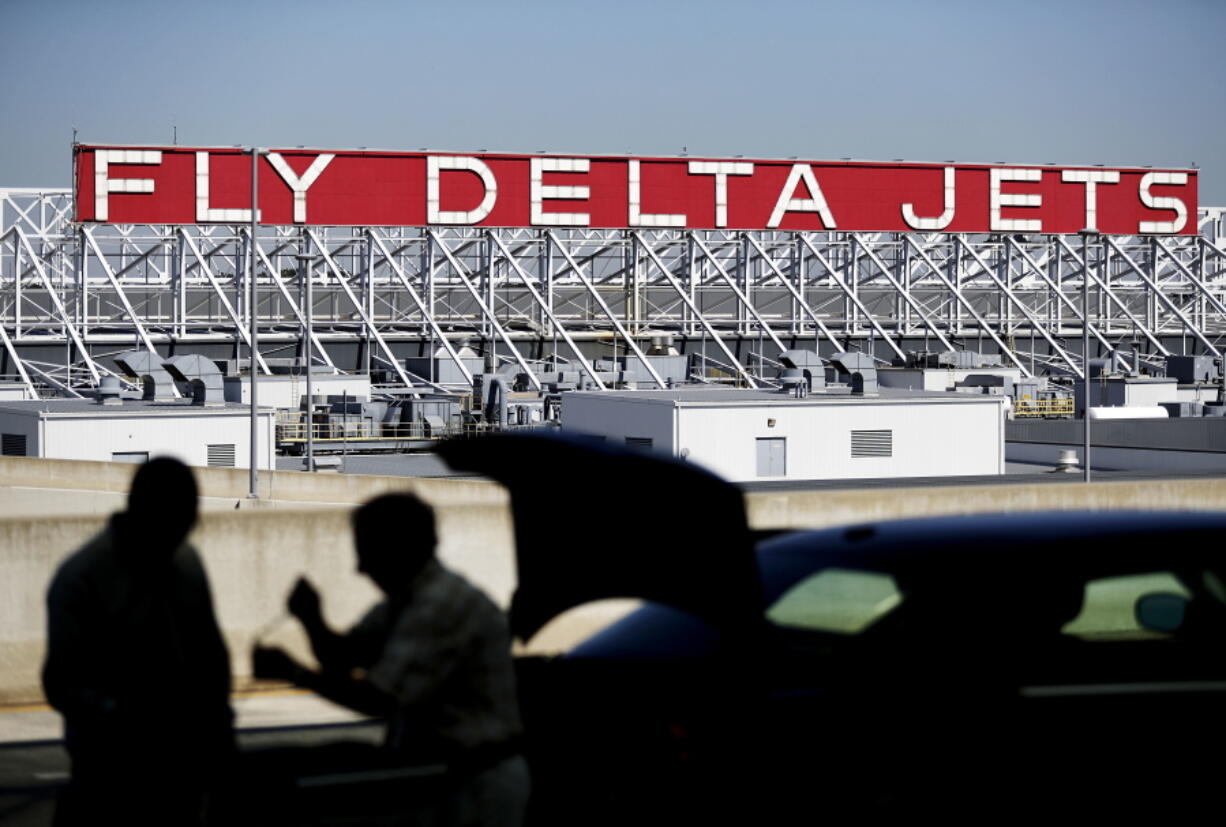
<point>99,487</point>
<point>253,557</point>
<point>824,508</point>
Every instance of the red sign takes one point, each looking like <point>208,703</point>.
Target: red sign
<point>179,185</point>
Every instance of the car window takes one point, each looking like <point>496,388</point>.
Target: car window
<point>845,601</point>
<point>1108,611</point>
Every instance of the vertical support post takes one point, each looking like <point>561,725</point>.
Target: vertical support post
<point>795,262</point>
<point>369,268</point>
<point>546,275</point>
<point>1086,235</point>
<point>17,289</point>
<point>79,260</point>
<point>242,275</point>
<point>254,477</point>
<point>1201,303</point>
<point>1103,283</point>
<point>491,273</point>
<point>851,322</point>
<point>691,285</point>
<point>487,292</point>
<point>902,319</point>
<point>180,271</point>
<point>427,268</point>
<point>1004,308</point>
<point>1055,286</point>
<point>1200,275</point>
<point>742,280</point>
<point>304,278</point>
<point>955,302</point>
<point>629,260</point>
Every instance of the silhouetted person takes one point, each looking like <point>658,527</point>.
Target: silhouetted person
<point>433,658</point>
<point>136,663</point>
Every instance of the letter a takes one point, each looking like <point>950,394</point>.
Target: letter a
<point>817,204</point>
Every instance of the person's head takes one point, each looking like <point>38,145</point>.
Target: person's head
<point>162,502</point>
<point>394,537</point>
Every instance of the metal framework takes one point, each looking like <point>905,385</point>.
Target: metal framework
<point>72,295</point>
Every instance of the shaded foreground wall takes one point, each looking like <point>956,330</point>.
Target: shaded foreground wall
<point>253,556</point>
<point>253,549</point>
<point>253,559</point>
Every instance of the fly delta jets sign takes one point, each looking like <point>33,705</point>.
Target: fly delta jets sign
<point>179,185</point>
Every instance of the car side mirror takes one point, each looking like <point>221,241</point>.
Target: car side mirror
<point>1161,611</point>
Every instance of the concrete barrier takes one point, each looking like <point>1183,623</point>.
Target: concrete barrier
<point>33,486</point>
<point>821,509</point>
<point>253,557</point>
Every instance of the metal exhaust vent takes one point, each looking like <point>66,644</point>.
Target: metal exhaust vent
<point>108,391</point>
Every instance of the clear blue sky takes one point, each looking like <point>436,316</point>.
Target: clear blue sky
<point>1122,82</point>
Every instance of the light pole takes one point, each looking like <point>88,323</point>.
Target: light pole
<point>1086,235</point>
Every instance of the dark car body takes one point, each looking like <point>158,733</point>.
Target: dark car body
<point>980,667</point>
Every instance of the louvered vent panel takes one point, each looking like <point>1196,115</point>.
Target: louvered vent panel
<point>13,445</point>
<point>221,455</point>
<point>872,443</point>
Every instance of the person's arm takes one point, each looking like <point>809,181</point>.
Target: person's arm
<point>342,688</point>
<point>331,649</point>
<point>65,670</point>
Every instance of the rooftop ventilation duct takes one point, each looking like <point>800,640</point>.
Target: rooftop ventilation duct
<point>202,376</point>
<point>491,389</point>
<point>856,369</point>
<point>155,381</point>
<point>808,363</point>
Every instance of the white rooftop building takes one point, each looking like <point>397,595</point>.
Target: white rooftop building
<point>134,431</point>
<point>287,391</point>
<point>748,435</point>
<point>10,391</point>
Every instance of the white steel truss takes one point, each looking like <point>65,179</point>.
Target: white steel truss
<point>72,295</point>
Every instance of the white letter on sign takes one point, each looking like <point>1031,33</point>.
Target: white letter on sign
<point>1148,180</point>
<point>299,186</point>
<point>721,170</point>
<point>1091,178</point>
<point>641,219</point>
<point>434,215</point>
<point>997,199</point>
<point>103,185</point>
<point>817,204</point>
<point>204,212</point>
<point>539,192</point>
<point>940,222</point>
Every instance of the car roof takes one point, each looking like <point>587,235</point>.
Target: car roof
<point>1035,545</point>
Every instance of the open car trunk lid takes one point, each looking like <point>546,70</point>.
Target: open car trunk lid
<point>595,522</point>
